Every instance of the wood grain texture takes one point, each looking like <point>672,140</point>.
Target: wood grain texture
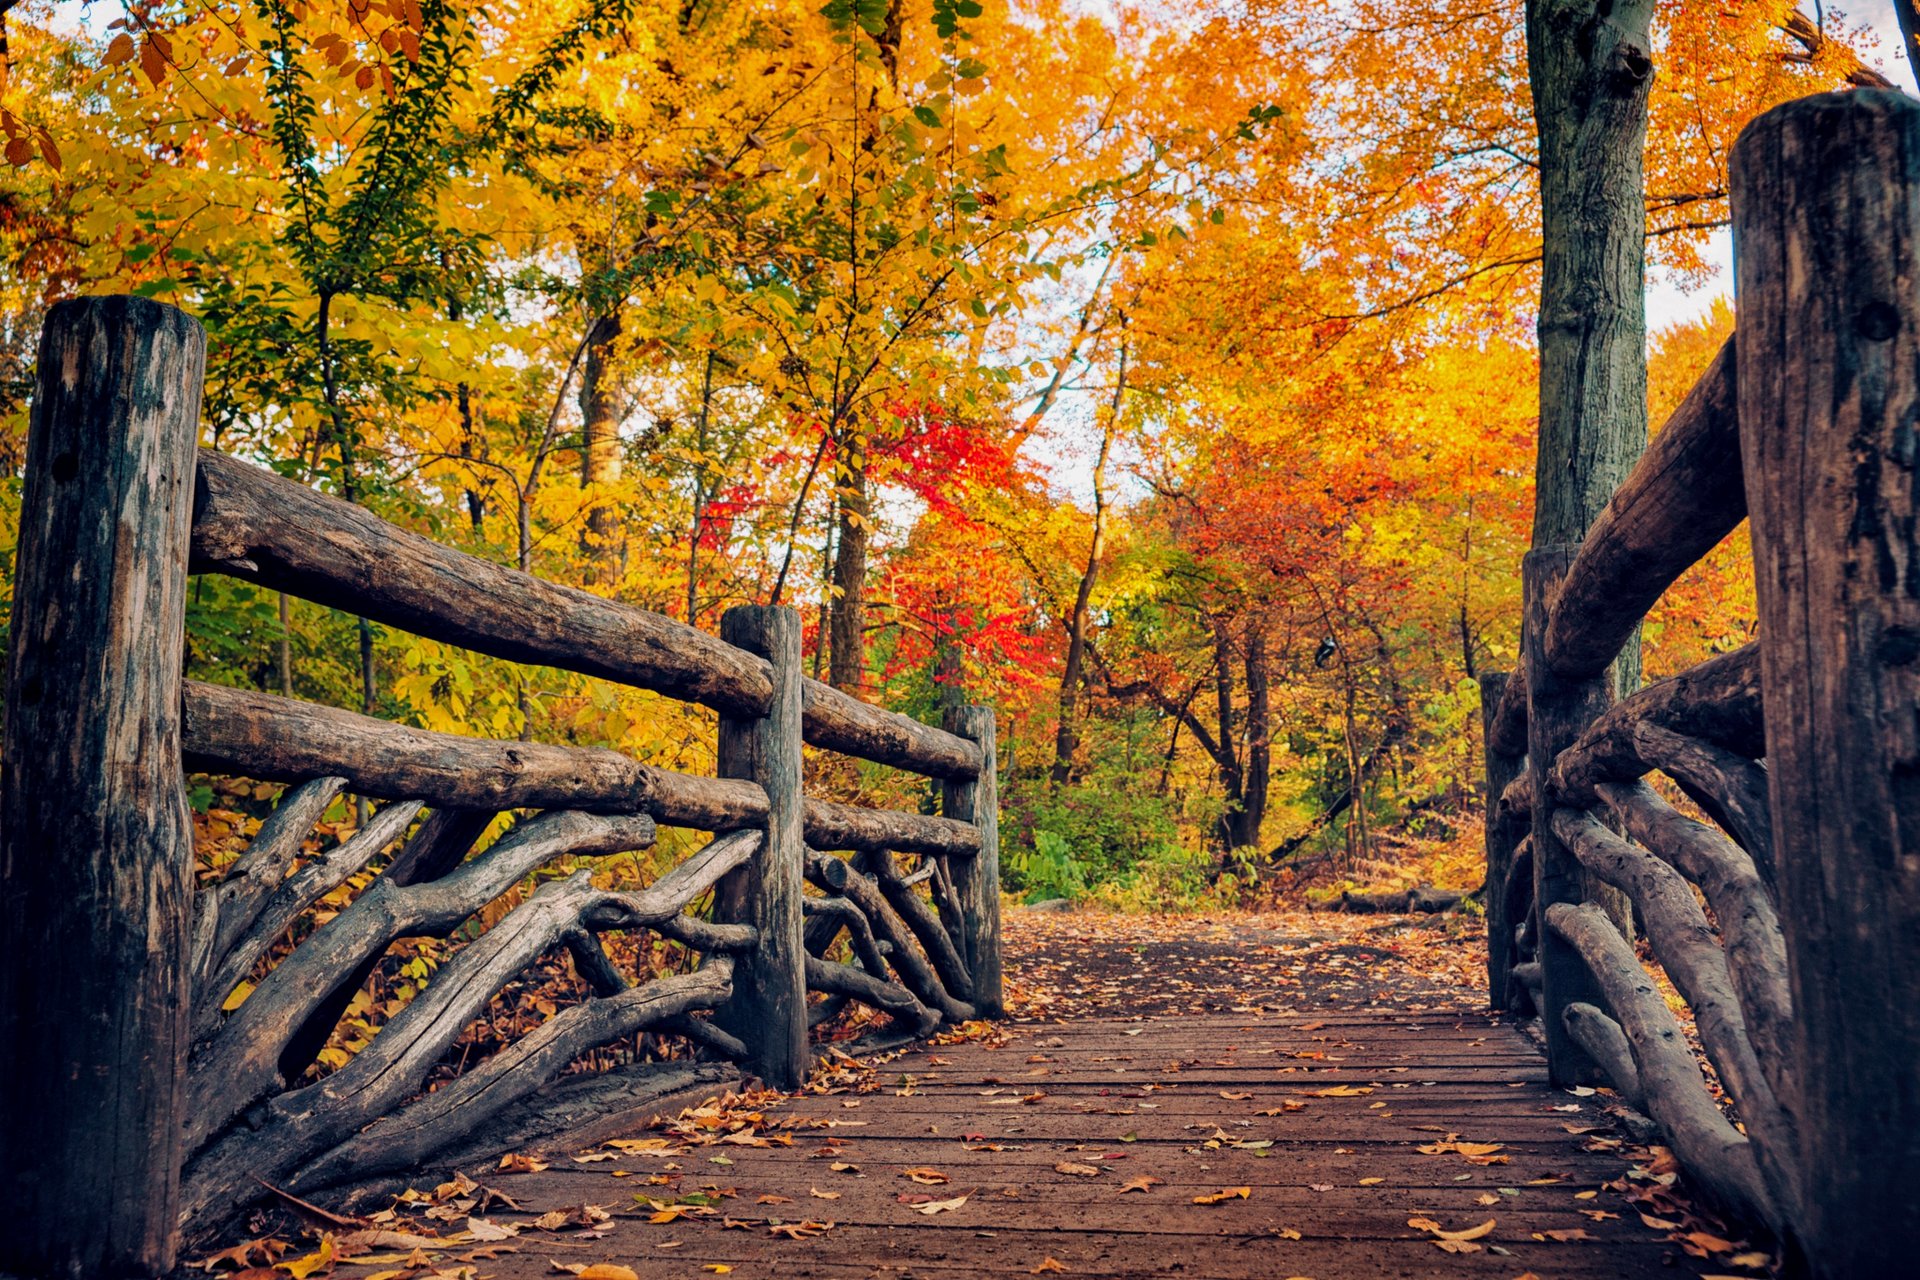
<point>976,886</point>
<point>1826,204</point>
<point>96,854</point>
<point>768,1011</point>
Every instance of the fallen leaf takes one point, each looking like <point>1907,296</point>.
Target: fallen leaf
<point>1224,1195</point>
<point>1077,1170</point>
<point>941,1206</point>
<point>926,1177</point>
<point>818,1194</point>
<point>1050,1264</point>
<point>1141,1183</point>
<point>518,1163</point>
<point>1236,1097</point>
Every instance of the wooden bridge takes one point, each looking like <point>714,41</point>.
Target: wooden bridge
<point>141,1090</point>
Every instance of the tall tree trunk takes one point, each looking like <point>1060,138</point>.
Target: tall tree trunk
<point>703,491</point>
<point>1226,755</point>
<point>1259,750</point>
<point>600,449</point>
<point>847,645</point>
<point>1067,737</point>
<point>1590,68</point>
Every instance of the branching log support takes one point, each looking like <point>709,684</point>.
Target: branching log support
<point>1826,209</point>
<point>96,852</point>
<point>1717,1157</point>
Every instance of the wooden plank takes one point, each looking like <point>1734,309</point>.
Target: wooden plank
<point>1826,200</point>
<point>96,851</point>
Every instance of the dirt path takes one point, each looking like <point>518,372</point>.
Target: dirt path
<point>1243,1099</point>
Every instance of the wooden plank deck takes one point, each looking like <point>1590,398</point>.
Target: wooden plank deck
<point>1317,1107</point>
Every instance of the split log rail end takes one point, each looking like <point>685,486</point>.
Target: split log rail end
<point>1802,748</point>
<point>133,1098</point>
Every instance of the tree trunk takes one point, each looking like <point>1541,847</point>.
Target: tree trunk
<point>600,449</point>
<point>1067,736</point>
<point>96,851</point>
<point>847,619</point>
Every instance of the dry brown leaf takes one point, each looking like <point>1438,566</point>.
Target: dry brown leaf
<point>1224,1195</point>
<point>1077,1170</point>
<point>1141,1183</point>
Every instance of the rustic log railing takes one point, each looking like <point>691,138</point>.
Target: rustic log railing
<point>1790,921</point>
<point>143,1086</point>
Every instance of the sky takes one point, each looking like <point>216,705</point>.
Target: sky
<point>1667,303</point>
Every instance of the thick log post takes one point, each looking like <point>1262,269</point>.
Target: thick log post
<point>1558,711</point>
<point>1826,202</point>
<point>1503,836</point>
<point>96,852</point>
<point>768,1010</point>
<point>977,800</point>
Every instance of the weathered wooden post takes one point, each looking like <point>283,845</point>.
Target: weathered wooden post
<point>1826,206</point>
<point>769,1006</point>
<point>1501,837</point>
<point>96,849</point>
<point>978,883</point>
<point>1557,712</point>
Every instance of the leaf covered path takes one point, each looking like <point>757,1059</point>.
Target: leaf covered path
<point>1175,1098</point>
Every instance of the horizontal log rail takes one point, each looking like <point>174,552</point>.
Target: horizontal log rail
<point>1798,748</point>
<point>273,739</point>
<point>262,528</point>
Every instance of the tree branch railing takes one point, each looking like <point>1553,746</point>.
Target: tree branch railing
<point>206,1012</point>
<point>1799,891</point>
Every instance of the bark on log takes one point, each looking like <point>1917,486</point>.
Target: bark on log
<point>224,911</point>
<point>1503,836</point>
<point>768,1011</point>
<point>836,876</point>
<point>256,526</point>
<point>1743,910</point>
<point>453,1113</point>
<point>1687,950</point>
<point>1607,1045</point>
<point>841,913</point>
<point>920,917</point>
<point>96,853</point>
<point>1418,899</point>
<point>1730,788</point>
<point>1516,799</point>
<point>1558,712</point>
<point>1717,1157</point>
<point>241,1065</point>
<point>1507,731</point>
<point>1518,895</point>
<point>976,802</point>
<point>269,738</point>
<point>1685,494</point>
<point>1826,206</point>
<point>877,993</point>
<point>294,896</point>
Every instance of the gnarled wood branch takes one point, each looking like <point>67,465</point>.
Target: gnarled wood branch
<point>1749,925</point>
<point>890,998</point>
<point>926,926</point>
<point>836,876</point>
<point>1718,1158</point>
<point>224,911</point>
<point>1692,957</point>
<point>288,901</point>
<point>1607,1045</point>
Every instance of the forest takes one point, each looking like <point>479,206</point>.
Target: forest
<point>1158,374</point>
